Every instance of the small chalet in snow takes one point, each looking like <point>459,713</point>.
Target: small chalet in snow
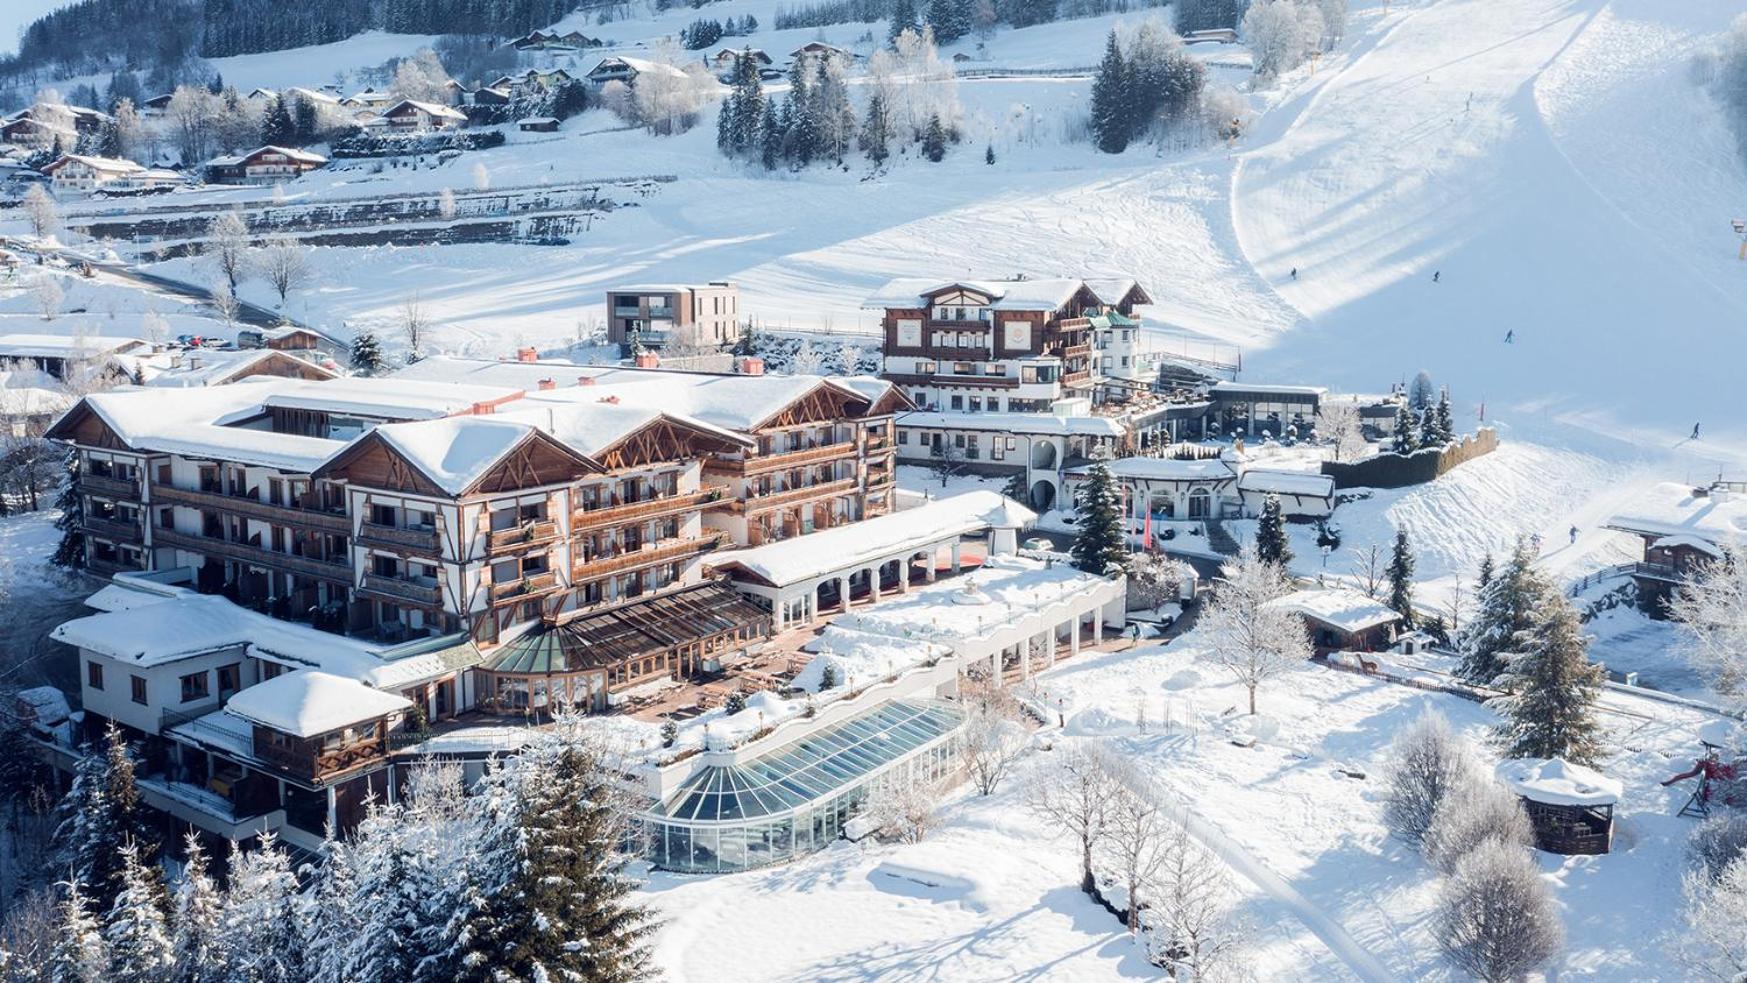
<point>155,107</point>
<point>27,132</point>
<point>409,115</point>
<point>79,173</point>
<point>538,124</point>
<point>553,41</point>
<point>624,68</point>
<point>490,95</point>
<point>291,338</point>
<point>819,49</point>
<point>58,355</point>
<point>1570,807</point>
<point>265,165</point>
<point>1682,529</point>
<point>1302,494</point>
<point>1343,620</point>
<point>200,367</point>
<point>368,97</point>
<point>725,60</point>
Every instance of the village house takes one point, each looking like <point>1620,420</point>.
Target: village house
<point>626,69</point>
<point>553,41</point>
<point>411,116</point>
<point>1681,530</point>
<point>819,49</point>
<point>538,124</point>
<point>264,165</point>
<point>78,173</point>
<point>205,367</point>
<point>1343,620</point>
<point>65,356</point>
<point>27,132</point>
<point>155,107</point>
<point>663,315</point>
<point>727,60</point>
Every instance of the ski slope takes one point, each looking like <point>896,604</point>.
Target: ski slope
<point>1534,153</point>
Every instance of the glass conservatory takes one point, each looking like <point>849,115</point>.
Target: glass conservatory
<point>795,798</point>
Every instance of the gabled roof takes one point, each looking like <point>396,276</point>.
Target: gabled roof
<point>1047,294</point>
<point>192,422</point>
<point>1338,607</point>
<point>428,108</point>
<point>237,160</point>
<point>456,453</point>
<point>1112,291</point>
<point>211,368</point>
<point>113,165</point>
<point>638,66</point>
<point>64,346</point>
<point>312,95</point>
<point>307,703</point>
<point>1166,469</point>
<point>387,398</point>
<point>1672,509</point>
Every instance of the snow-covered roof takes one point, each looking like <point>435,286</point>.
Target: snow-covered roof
<point>1556,782</point>
<point>1688,541</point>
<point>1304,483</point>
<point>207,368</point>
<point>312,95</point>
<point>1166,469</point>
<point>188,421</point>
<point>455,451</point>
<point>817,554</point>
<point>1016,423</point>
<point>428,108</point>
<point>1340,608</point>
<point>122,596</point>
<point>307,702</point>
<point>1265,388</point>
<point>47,704</point>
<point>581,420</point>
<point>112,165</point>
<point>1110,290</point>
<point>394,398</point>
<point>1041,294</point>
<point>1671,509</point>
<point>640,66</point>
<point>24,400</point>
<point>970,606</point>
<point>301,156</point>
<point>64,346</point>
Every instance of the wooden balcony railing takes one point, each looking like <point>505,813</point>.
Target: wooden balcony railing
<point>254,508</point>
<point>1076,378</point>
<point>416,540</point>
<point>952,379</point>
<point>396,589</point>
<point>776,500</point>
<point>526,587</point>
<point>313,762</point>
<point>664,552</point>
<point>128,532</point>
<point>877,444</point>
<point>96,484</point>
<point>527,534</point>
<point>651,508</point>
<point>250,553</point>
<point>780,460</point>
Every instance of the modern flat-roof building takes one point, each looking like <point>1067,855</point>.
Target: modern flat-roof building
<point>662,316</point>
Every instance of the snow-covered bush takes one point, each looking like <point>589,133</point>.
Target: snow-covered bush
<point>1476,811</point>
<point>1153,580</point>
<point>1426,761</point>
<point>903,807</point>
<point>993,738</point>
<point>1718,842</point>
<point>1711,610</point>
<point>1495,917</point>
<point>1713,945</point>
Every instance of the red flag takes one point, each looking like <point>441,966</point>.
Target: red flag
<point>1146,536</point>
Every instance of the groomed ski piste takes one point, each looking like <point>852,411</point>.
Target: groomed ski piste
<point>1550,161</point>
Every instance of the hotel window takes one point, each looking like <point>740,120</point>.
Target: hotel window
<point>976,404</point>
<point>230,678</point>
<point>958,402</point>
<point>139,690</point>
<point>94,675</point>
<point>196,686</point>
<point>926,368</point>
<point>903,436</point>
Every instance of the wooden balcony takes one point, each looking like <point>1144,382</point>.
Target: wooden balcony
<point>649,556</point>
<point>1076,378</point>
<point>1077,351</point>
<point>953,379</point>
<point>518,590</point>
<point>523,536</point>
<point>254,508</point>
<point>403,591</point>
<point>777,461</point>
<point>652,508</point>
<point>879,443</point>
<point>248,553</point>
<point>776,500</point>
<point>307,759</point>
<point>95,484</point>
<point>126,532</point>
<point>399,538</point>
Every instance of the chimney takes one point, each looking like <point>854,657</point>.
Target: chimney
<point>585,380</point>
<point>482,409</point>
<point>527,355</point>
<point>546,384</point>
<point>610,399</point>
<point>648,360</point>
<point>751,365</point>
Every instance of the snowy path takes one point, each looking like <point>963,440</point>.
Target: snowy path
<point>1333,934</point>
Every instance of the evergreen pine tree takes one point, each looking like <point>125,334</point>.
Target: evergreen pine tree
<point>1507,604</point>
<point>1015,488</point>
<point>946,17</point>
<point>934,140</point>
<point>277,127</point>
<point>903,19</point>
<point>306,125</point>
<point>1484,577</point>
<point>109,140</point>
<point>70,551</point>
<point>140,947</point>
<point>1401,579</point>
<point>1552,688</point>
<point>989,154</point>
<point>103,810</point>
<point>260,922</point>
<point>366,354</point>
<point>198,949</point>
<point>1445,421</point>
<point>1110,96</point>
<point>335,921</point>
<point>770,137</point>
<point>1271,542</point>
<point>79,955</point>
<point>876,130</point>
<point>1403,441</point>
<point>801,121</point>
<point>1102,544</point>
<point>564,911</point>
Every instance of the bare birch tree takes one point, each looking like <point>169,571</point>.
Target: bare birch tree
<point>1425,763</point>
<point>284,264</point>
<point>48,296</point>
<point>413,324</point>
<point>1711,610</point>
<point>1338,423</point>
<point>227,242</point>
<point>1370,569</point>
<point>1249,635</point>
<point>1138,835</point>
<point>1192,927</point>
<point>40,209</point>
<point>993,738</point>
<point>225,303</point>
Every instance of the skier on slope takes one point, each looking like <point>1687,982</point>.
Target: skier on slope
<point>1510,336</point>
<point>1294,272</point>
<point>1694,432</point>
<point>1436,274</point>
<point>1574,535</point>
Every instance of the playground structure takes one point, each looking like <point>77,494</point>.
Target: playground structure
<point>1720,782</point>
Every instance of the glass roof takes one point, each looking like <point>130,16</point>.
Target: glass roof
<point>813,767</point>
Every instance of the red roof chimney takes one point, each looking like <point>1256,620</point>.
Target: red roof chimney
<point>527,355</point>
<point>481,409</point>
<point>585,380</point>
<point>751,365</point>
<point>548,384</point>
<point>648,360</point>
<point>610,399</point>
